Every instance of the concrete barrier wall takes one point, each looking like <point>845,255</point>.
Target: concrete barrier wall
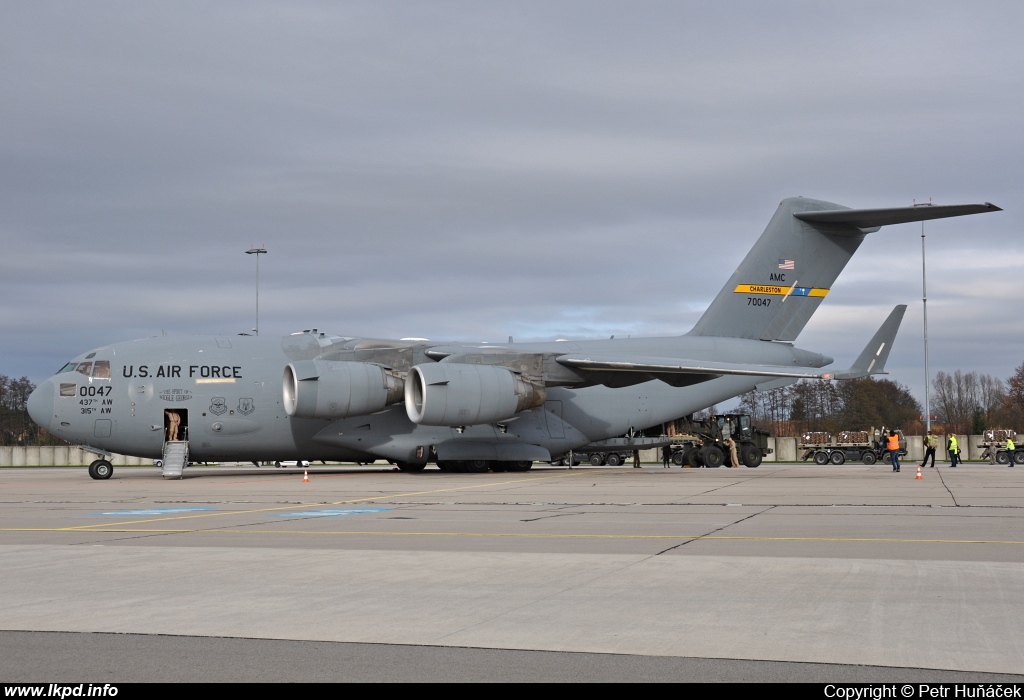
<point>58,456</point>
<point>974,448</point>
<point>783,450</point>
<point>915,448</point>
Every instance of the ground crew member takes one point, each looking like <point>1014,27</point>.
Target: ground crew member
<point>894,450</point>
<point>1009,449</point>
<point>732,452</point>
<point>173,421</point>
<point>666,456</point>
<point>930,443</point>
<point>636,459</point>
<point>954,451</point>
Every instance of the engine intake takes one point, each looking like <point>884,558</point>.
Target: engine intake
<point>454,394</point>
<point>331,389</point>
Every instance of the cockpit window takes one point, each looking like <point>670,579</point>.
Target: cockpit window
<point>69,367</point>
<point>85,368</point>
<point>101,370</point>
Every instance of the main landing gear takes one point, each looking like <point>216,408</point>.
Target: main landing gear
<point>101,469</point>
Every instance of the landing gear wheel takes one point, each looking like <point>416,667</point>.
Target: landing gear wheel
<point>751,456</point>
<point>821,457</point>
<point>713,456</point>
<point>410,467</point>
<point>693,458</point>
<point>477,466</point>
<point>277,464</point>
<point>678,458</point>
<point>521,466</point>
<point>837,458</point>
<point>869,458</point>
<point>596,460</point>
<point>101,469</point>
<point>613,459</point>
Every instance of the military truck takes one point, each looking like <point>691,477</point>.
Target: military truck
<point>613,452</point>
<point>994,440</point>
<point>598,459</point>
<point>867,446</point>
<point>704,444</point>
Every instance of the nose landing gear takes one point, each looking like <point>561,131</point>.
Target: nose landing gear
<point>101,469</point>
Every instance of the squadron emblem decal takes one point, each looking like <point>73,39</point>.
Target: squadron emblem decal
<point>218,405</point>
<point>245,406</point>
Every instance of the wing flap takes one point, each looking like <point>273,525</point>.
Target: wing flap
<point>673,366</point>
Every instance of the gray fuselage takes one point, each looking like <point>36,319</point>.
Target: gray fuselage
<point>228,391</point>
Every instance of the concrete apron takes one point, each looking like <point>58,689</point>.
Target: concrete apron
<point>930,614</point>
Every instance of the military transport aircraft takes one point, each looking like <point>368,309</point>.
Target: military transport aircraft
<point>467,406</point>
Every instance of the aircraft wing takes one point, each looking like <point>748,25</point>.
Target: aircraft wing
<point>680,372</point>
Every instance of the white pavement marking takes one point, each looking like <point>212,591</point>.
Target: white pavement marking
<point>931,614</point>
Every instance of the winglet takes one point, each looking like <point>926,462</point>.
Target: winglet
<point>872,358</point>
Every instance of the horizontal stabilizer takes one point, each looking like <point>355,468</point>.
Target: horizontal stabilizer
<point>872,359</point>
<point>873,218</point>
<point>669,365</point>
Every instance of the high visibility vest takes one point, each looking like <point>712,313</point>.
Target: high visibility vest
<point>952,443</point>
<point>1009,445</point>
<point>894,442</point>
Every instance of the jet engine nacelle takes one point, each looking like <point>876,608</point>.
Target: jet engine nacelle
<point>331,389</point>
<point>454,394</point>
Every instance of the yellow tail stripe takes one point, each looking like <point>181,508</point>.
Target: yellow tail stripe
<point>780,291</point>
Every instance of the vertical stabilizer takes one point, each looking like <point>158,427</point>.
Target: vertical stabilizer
<point>791,268</point>
<point>784,277</point>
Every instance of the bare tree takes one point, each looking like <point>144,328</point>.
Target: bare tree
<point>957,398</point>
<point>992,400</point>
<point>1015,398</point>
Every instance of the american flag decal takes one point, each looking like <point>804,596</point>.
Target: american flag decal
<point>787,264</point>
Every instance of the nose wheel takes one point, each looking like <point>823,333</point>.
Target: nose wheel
<point>101,469</point>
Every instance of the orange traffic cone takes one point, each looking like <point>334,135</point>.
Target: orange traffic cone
<point>305,475</point>
<point>918,477</point>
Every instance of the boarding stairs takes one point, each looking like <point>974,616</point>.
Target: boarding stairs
<point>175,458</point>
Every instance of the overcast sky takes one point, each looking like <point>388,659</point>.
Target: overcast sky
<point>474,170</point>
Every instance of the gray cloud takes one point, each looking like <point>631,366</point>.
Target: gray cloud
<point>467,170</point>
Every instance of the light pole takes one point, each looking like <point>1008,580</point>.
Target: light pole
<point>256,251</point>
<point>924,304</point>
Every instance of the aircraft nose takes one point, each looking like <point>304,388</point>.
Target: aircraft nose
<point>40,404</point>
